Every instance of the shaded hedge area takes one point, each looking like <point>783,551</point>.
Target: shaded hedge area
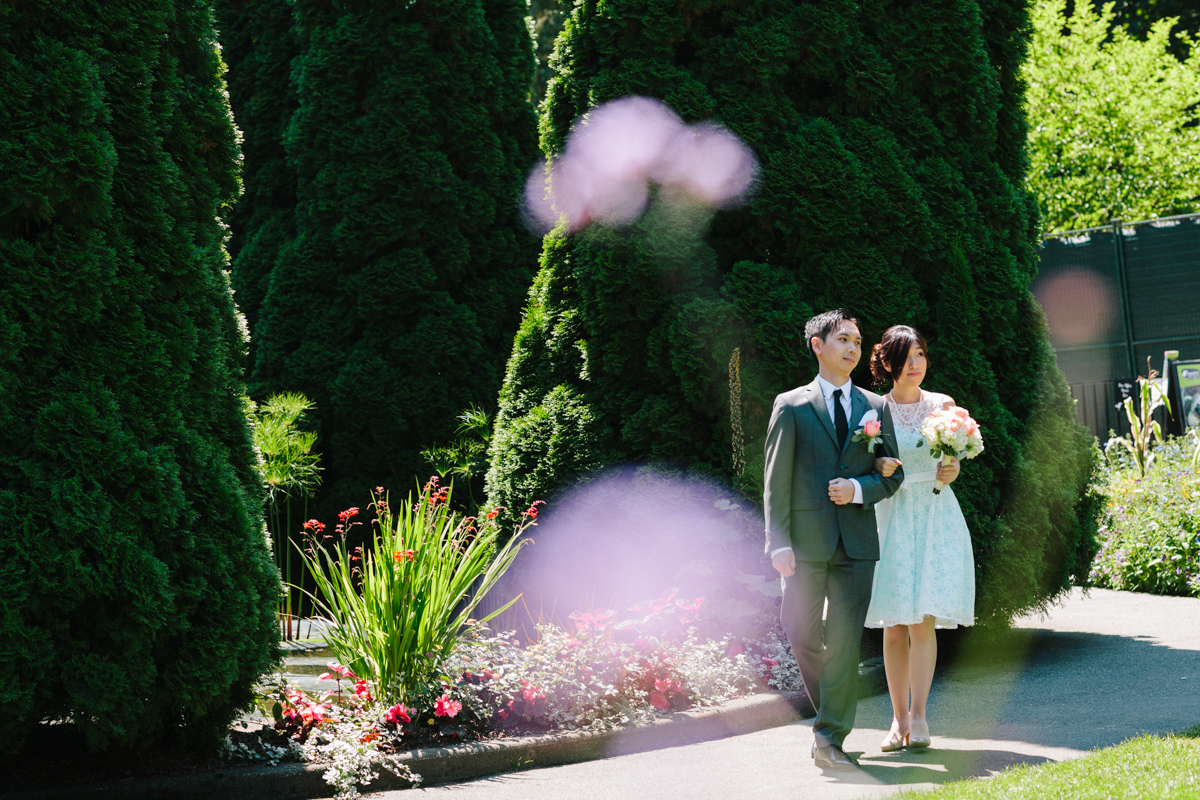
<point>136,591</point>
<point>393,306</point>
<point>891,143</point>
<point>258,44</point>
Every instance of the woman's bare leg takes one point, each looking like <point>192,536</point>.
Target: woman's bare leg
<point>896,667</point>
<point>922,658</point>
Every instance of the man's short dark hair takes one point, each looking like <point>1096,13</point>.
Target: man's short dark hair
<point>824,324</point>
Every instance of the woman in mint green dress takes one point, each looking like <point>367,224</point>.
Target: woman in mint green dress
<point>925,578</point>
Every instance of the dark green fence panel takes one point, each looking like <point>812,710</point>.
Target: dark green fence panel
<point>1114,297</point>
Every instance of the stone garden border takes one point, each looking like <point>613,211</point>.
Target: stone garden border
<point>472,760</point>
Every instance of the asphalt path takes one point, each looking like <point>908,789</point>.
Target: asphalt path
<point>1097,669</point>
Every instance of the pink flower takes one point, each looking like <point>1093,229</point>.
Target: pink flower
<point>361,689</point>
<point>397,714</point>
<point>872,427</point>
<point>659,701</point>
<point>445,707</point>
<point>736,650</point>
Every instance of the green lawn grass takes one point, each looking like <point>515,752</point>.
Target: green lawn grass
<point>1149,767</point>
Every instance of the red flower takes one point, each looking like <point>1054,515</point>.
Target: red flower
<point>770,662</point>
<point>445,707</point>
<point>736,650</point>
<point>314,525</point>
<point>405,555</point>
<point>361,689</point>
<point>397,714</point>
<point>348,513</point>
<point>492,514</point>
<point>659,701</point>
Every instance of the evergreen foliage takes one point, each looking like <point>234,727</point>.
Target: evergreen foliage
<point>136,590</point>
<point>394,306</point>
<point>1115,123</point>
<point>891,142</point>
<point>258,45</point>
<point>546,18</point>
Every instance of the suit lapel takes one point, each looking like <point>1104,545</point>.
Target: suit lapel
<point>858,407</point>
<point>816,401</point>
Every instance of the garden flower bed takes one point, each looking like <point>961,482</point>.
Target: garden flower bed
<point>607,674</point>
<point>1150,526</point>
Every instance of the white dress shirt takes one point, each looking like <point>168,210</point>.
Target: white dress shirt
<point>828,389</point>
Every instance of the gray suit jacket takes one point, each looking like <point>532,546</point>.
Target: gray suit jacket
<point>803,456</point>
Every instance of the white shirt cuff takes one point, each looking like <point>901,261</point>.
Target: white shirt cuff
<point>857,492</point>
<point>780,550</point>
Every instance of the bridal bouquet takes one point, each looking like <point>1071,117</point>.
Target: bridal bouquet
<point>951,433</point>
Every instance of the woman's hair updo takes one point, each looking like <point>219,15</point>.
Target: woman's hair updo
<point>889,356</point>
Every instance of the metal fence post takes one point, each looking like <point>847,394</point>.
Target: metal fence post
<point>1123,284</point>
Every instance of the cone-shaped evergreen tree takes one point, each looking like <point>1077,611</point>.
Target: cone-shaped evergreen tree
<point>395,305</point>
<point>259,46</point>
<point>890,141</point>
<point>136,590</point>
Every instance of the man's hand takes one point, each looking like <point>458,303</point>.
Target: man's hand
<point>946,473</point>
<point>886,466</point>
<point>841,491</point>
<point>785,563</point>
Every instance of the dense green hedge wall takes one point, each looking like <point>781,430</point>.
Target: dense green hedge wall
<point>258,44</point>
<point>136,590</point>
<point>394,306</point>
<point>891,143</point>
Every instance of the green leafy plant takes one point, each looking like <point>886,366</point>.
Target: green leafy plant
<point>400,603</point>
<point>1142,425</point>
<point>466,458</point>
<point>1150,525</point>
<point>290,471</point>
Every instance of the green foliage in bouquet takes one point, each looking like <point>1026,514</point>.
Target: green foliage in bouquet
<point>400,603</point>
<point>1113,119</point>
<point>394,304</point>
<point>136,588</point>
<point>891,144</point>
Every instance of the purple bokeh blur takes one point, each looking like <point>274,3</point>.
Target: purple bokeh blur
<point>631,534</point>
<point>619,149</point>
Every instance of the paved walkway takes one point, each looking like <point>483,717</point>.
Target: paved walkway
<point>1098,669</point>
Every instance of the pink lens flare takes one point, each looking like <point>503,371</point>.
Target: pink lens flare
<point>618,149</point>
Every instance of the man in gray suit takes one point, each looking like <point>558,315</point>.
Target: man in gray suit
<point>820,496</point>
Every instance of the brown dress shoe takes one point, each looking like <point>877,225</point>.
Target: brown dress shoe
<point>829,756</point>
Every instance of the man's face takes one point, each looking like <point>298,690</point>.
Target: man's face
<point>839,353</point>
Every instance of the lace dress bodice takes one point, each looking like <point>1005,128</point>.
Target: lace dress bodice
<point>907,419</point>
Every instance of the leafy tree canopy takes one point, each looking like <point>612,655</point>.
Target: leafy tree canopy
<point>1113,119</point>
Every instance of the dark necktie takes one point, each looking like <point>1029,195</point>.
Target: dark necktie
<point>839,418</point>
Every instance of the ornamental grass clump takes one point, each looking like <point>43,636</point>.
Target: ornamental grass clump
<point>400,602</point>
<point>1150,526</point>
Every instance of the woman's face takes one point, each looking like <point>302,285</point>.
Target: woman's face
<point>914,368</point>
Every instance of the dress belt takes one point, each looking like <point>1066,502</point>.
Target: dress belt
<point>917,477</point>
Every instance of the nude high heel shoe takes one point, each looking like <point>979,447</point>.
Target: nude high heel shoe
<point>918,733</point>
<point>895,740</point>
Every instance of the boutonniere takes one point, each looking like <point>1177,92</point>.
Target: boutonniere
<point>870,430</point>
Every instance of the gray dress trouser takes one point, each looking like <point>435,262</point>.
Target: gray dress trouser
<point>828,655</point>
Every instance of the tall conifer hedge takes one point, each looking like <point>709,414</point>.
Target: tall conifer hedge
<point>136,590</point>
<point>891,143</point>
<point>258,44</point>
<point>394,306</point>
